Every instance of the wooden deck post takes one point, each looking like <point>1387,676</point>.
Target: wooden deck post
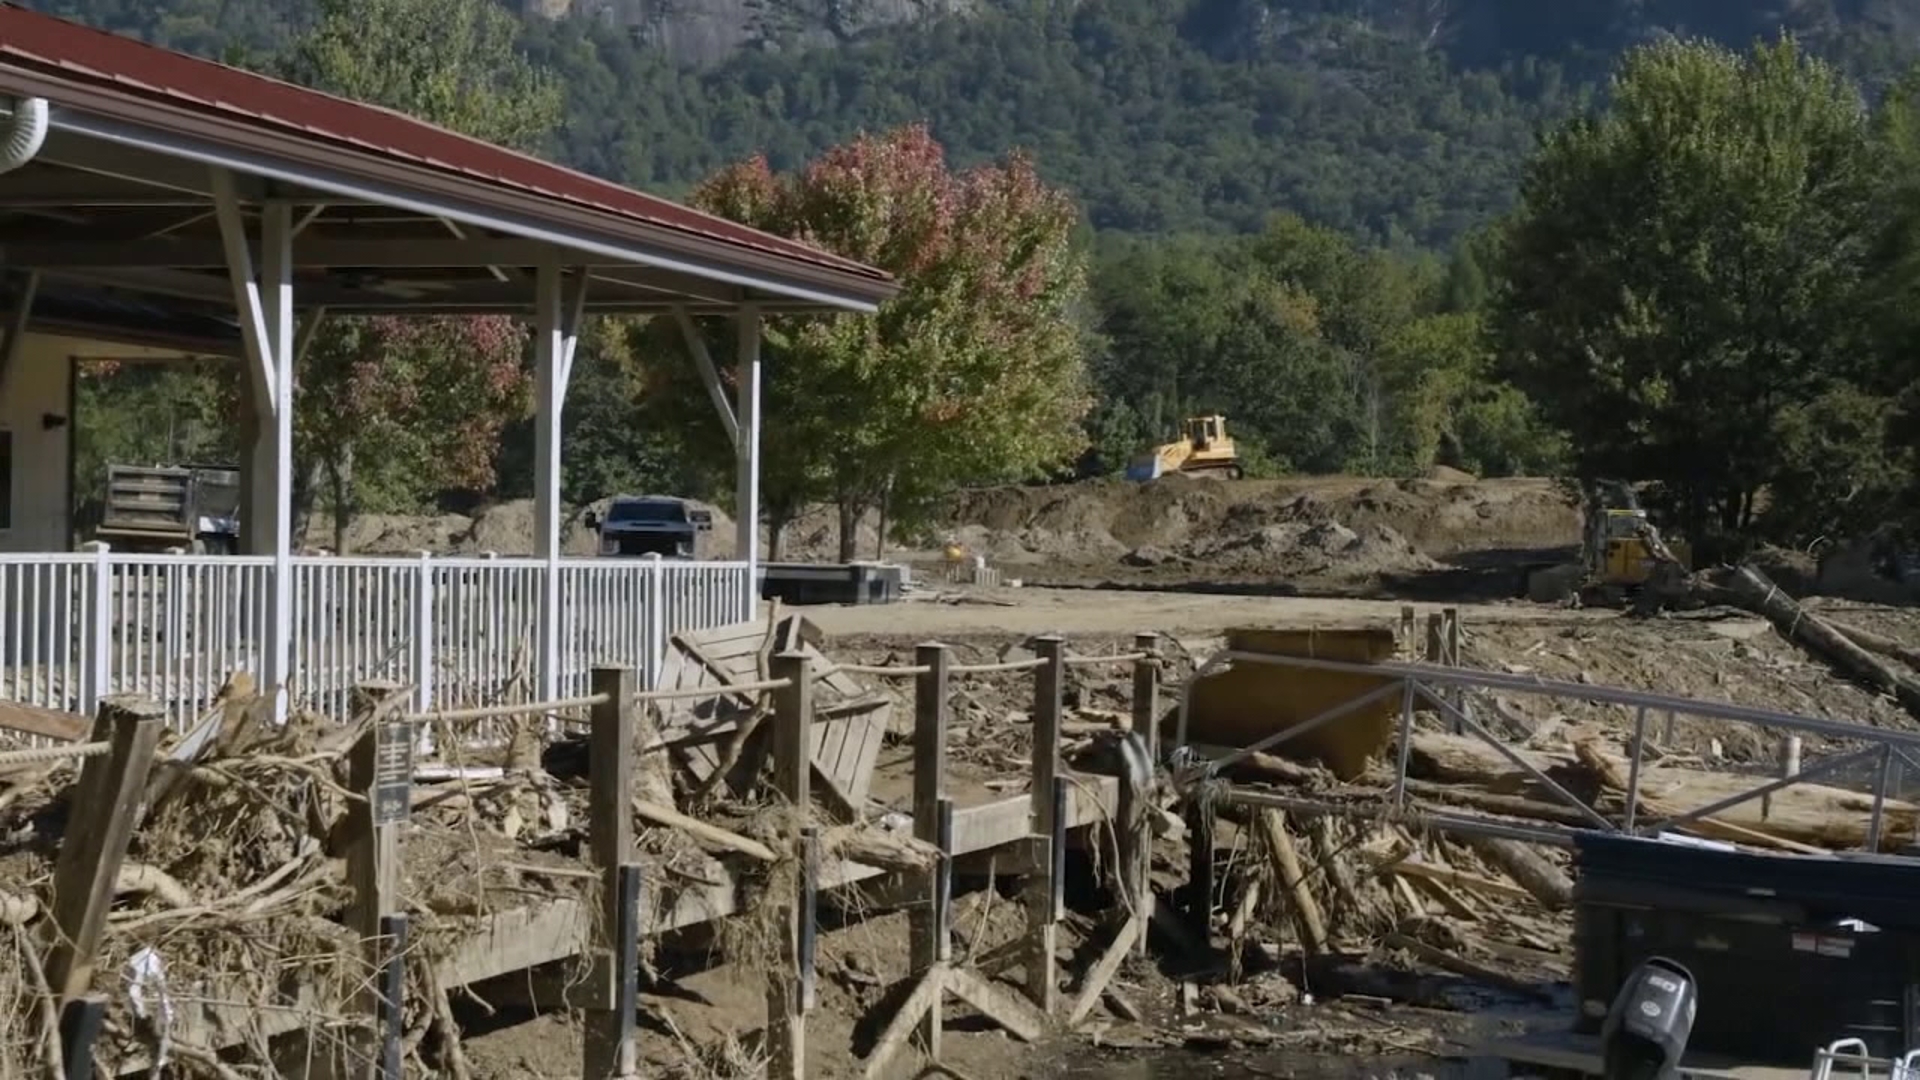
<point>608,1048</point>
<point>1200,869</point>
<point>1146,693</point>
<point>100,819</point>
<point>924,925</point>
<point>792,760</point>
<point>380,768</point>
<point>1042,890</point>
<point>1134,803</point>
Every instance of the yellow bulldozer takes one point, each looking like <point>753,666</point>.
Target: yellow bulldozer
<point>1205,448</point>
<point>1623,557</point>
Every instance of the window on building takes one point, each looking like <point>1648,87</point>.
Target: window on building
<point>6,479</point>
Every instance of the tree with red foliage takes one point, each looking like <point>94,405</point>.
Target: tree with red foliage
<point>392,410</point>
<point>975,373</point>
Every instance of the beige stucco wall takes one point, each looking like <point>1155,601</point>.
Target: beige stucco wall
<point>38,387</point>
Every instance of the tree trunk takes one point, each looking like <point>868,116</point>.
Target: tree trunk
<point>778,518</point>
<point>1547,882</point>
<point>1753,591</point>
<point>340,472</point>
<point>880,530</point>
<point>307,484</point>
<point>851,510</point>
<point>1878,643</point>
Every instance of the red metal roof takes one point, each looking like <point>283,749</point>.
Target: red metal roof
<point>129,65</point>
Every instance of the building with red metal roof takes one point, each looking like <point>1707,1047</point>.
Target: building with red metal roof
<point>163,199</point>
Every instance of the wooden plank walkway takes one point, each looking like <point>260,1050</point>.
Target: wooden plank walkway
<point>518,938</point>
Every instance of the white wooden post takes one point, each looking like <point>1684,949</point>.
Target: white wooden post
<point>656,616</point>
<point>552,354</point>
<point>276,289</point>
<point>98,651</point>
<point>423,652</point>
<point>263,304</point>
<point>746,488</point>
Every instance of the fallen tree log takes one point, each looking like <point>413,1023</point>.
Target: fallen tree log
<point>1754,592</point>
<point>1547,882</point>
<point>1803,816</point>
<point>1878,643</point>
<point>1287,873</point>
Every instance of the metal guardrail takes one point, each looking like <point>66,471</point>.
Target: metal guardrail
<point>1419,686</point>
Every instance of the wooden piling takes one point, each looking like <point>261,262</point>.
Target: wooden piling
<point>80,1024</point>
<point>100,823</point>
<point>608,1045</point>
<point>1134,803</point>
<point>929,790</point>
<point>380,771</point>
<point>786,991</point>
<point>1200,820</point>
<point>1042,890</point>
<point>1146,693</point>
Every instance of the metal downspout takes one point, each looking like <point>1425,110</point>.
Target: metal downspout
<point>23,131</point>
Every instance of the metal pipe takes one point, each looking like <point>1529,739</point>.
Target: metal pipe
<point>1513,756</point>
<point>1811,772</point>
<point>1407,690</point>
<point>1633,766</point>
<point>1879,800</point>
<point>23,131</point>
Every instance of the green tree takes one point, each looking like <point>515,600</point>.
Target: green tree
<point>455,63</point>
<point>1685,265</point>
<point>391,411</point>
<point>1893,295</point>
<point>974,373</point>
<point>1449,408</point>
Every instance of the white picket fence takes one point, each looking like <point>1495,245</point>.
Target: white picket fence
<point>461,631</point>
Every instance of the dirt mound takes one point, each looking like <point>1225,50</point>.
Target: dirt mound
<point>1336,528</point>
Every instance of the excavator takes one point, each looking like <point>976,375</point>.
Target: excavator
<point>1206,448</point>
<point>1623,558</point>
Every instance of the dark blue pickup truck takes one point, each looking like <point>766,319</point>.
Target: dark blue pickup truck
<point>651,525</point>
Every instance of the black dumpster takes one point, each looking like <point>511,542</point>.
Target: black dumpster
<point>832,583</point>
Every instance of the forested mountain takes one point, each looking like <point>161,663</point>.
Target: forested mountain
<point>1336,220</point>
<point>1403,121</point>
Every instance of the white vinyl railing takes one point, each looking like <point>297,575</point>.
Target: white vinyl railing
<point>459,631</point>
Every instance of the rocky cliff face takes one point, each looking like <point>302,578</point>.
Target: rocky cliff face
<point>1474,31</point>
<point>705,31</point>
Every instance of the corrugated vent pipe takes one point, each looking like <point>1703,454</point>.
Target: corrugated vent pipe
<point>23,130</point>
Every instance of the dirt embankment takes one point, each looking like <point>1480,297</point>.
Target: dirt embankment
<point>1323,531</point>
<point>1332,529</point>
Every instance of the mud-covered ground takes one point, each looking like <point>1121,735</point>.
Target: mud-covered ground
<point>1716,655</point>
<point>1190,559</point>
